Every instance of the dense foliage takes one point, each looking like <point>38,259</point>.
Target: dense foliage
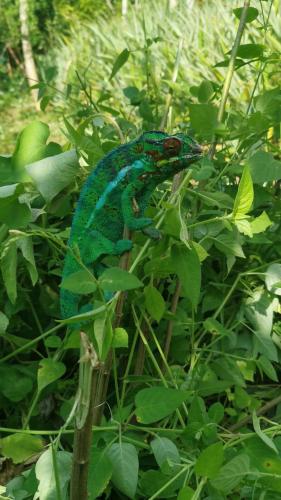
<point>193,408</point>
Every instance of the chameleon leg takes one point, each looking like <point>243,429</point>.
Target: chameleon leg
<point>96,244</point>
<point>129,209</point>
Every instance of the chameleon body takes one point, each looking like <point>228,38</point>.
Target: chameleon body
<point>116,194</point>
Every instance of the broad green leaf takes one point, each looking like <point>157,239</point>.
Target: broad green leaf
<point>188,268</point>
<point>265,460</point>
<point>273,278</point>
<point>201,252</point>
<point>155,403</point>
<point>203,119</point>
<point>4,322</point>
<point>216,412</point>
<point>14,210</point>
<point>120,338</point>
<point>51,175</point>
<point>121,59</point>
<point>100,471</point>
<point>49,371</point>
<point>244,227</point>
<point>250,50</point>
<point>268,368</point>
<point>228,244</point>
<point>115,278</point>
<point>154,302</point>
<point>252,13</point>
<point>186,493</point>
<point>81,282</point>
<point>9,270</point>
<point>165,452</point>
<point>125,467</point>
<point>44,470</point>
<point>260,313</point>
<point>260,223</point>
<point>102,336</point>
<point>210,461</point>
<point>232,473</point>
<point>266,439</point>
<point>19,446</point>
<point>245,195</point>
<point>26,247</point>
<point>205,91</point>
<point>14,385</point>
<point>151,481</point>
<point>264,167</point>
<point>31,147</point>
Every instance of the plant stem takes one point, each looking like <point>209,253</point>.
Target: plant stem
<point>169,97</point>
<point>230,71</point>
<point>261,411</point>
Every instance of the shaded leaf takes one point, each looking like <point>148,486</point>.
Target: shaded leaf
<point>44,470</point>
<point>155,403</point>
<point>125,467</point>
<point>49,371</point>
<point>154,302</point>
<point>115,278</point>
<point>209,461</point>
<point>100,471</point>
<point>19,446</point>
<point>188,268</point>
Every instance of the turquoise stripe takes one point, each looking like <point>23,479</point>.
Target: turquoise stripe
<point>111,186</point>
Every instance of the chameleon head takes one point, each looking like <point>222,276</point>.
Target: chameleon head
<point>169,153</point>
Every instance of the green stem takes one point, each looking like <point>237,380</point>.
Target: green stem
<point>33,404</point>
<point>31,343</point>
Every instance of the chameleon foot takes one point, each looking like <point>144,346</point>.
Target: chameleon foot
<point>152,233</point>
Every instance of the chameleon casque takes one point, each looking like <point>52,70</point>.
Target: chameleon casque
<point>116,194</point>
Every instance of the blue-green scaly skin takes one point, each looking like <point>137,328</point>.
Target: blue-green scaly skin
<point>123,179</point>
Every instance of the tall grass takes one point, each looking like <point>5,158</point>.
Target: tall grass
<point>207,29</point>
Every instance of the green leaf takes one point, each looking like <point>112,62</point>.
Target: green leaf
<point>49,371</point>
<point>51,175</point>
<point>151,481</point>
<point>250,50</point>
<point>216,412</point>
<point>266,439</point>
<point>25,245</point>
<point>264,167</point>
<point>125,464</point>
<point>155,403</point>
<point>232,473</point>
<point>268,368</point>
<point>102,336</point>
<point>245,195</point>
<point>260,223</point>
<point>186,493</point>
<point>115,278</point>
<point>260,313</point>
<point>188,268</point>
<point>252,13</point>
<point>121,59</point>
<point>273,278</point>
<point>165,452</point>
<point>4,322</point>
<point>82,282</point>
<point>14,385</point>
<point>154,302</point>
<point>19,446</point>
<point>13,208</point>
<point>210,461</point>
<point>228,244</point>
<point>9,270</point>
<point>203,119</point>
<point>205,91</point>
<point>45,473</point>
<point>31,147</point>
<point>100,471</point>
<point>120,338</point>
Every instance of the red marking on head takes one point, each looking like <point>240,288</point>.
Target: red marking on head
<point>154,154</point>
<point>172,146</point>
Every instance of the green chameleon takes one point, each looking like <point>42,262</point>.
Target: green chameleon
<point>116,194</point>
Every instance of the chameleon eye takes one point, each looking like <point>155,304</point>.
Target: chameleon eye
<point>172,145</point>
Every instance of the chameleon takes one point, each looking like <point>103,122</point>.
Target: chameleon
<point>116,194</point>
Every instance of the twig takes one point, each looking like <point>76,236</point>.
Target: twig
<point>264,409</point>
<point>104,372</point>
<point>230,71</point>
<point>169,333</point>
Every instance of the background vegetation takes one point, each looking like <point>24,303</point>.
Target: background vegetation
<point>193,408</point>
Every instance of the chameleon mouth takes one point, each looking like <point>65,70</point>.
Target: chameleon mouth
<point>196,154</point>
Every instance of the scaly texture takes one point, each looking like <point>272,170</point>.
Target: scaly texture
<point>116,194</point>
